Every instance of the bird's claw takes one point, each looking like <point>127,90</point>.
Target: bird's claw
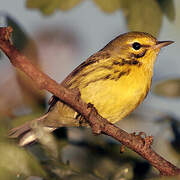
<point>96,128</point>
<point>89,105</point>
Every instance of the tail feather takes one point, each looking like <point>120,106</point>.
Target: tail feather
<point>27,138</point>
<point>25,132</point>
<point>20,130</point>
<point>28,132</point>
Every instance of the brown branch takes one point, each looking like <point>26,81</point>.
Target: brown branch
<point>98,124</point>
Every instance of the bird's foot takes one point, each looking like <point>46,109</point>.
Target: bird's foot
<point>96,127</point>
<point>90,105</point>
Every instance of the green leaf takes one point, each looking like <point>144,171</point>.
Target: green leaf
<point>143,15</point>
<point>32,96</point>
<point>168,88</point>
<point>47,7</point>
<point>19,37</point>
<point>16,161</point>
<point>37,3</point>
<point>50,7</point>
<point>68,4</point>
<point>168,8</point>
<point>108,6</point>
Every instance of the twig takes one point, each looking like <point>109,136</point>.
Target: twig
<point>98,124</point>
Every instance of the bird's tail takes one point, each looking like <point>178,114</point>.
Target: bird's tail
<point>25,132</point>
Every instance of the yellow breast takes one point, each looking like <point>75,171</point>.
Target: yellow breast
<point>114,99</point>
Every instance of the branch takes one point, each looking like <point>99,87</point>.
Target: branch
<point>98,124</point>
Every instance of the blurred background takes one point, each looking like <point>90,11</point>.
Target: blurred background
<point>57,35</point>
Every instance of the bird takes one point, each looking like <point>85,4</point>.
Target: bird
<point>115,80</point>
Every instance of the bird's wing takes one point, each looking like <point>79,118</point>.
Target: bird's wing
<point>66,82</point>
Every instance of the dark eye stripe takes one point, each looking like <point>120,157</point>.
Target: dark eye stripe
<point>145,45</point>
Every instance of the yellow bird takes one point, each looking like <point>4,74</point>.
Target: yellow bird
<point>115,80</point>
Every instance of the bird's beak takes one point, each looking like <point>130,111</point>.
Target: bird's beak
<point>161,44</point>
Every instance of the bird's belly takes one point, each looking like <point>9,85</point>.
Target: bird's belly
<point>115,99</point>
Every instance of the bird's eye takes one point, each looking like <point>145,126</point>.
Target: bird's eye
<point>136,46</point>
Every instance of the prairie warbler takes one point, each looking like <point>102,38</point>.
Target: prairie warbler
<point>115,80</point>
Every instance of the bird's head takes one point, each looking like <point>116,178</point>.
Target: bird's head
<point>136,46</point>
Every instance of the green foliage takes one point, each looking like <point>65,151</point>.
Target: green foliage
<point>16,162</point>
<point>68,4</point>
<point>90,157</point>
<point>48,7</point>
<point>32,97</point>
<point>108,6</point>
<point>18,32</point>
<point>19,37</point>
<point>141,15</point>
<point>168,9</point>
